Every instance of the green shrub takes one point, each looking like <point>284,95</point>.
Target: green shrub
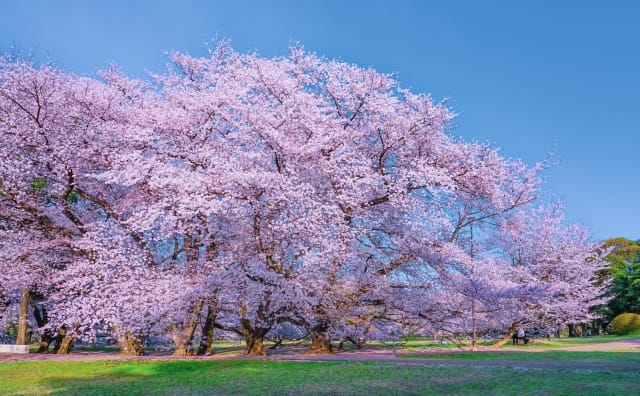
<point>626,323</point>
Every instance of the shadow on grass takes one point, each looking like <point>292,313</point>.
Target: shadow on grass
<point>193,378</point>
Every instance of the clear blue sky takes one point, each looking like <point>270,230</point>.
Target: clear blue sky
<point>531,77</point>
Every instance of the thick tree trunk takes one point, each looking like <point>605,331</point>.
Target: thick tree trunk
<point>507,338</point>
<point>319,346</point>
<point>320,341</point>
<point>183,337</point>
<point>206,341</point>
<point>66,343</point>
<point>22,318</point>
<point>255,346</point>
<point>254,338</point>
<point>182,348</point>
<point>572,330</point>
<point>130,345</point>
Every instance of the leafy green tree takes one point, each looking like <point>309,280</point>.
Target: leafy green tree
<point>624,269</point>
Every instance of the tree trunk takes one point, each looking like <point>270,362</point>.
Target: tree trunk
<point>22,318</point>
<point>319,346</point>
<point>254,338</point>
<point>63,342</point>
<point>600,326</point>
<point>65,345</point>
<point>46,337</point>
<point>183,337</point>
<point>45,341</point>
<point>255,346</point>
<point>206,341</point>
<point>130,345</point>
<point>3,303</point>
<point>320,341</point>
<point>40,315</point>
<point>507,338</point>
<point>474,341</point>
<point>572,330</point>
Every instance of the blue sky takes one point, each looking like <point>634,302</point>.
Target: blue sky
<point>529,76</point>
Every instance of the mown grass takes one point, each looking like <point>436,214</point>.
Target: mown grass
<point>408,344</point>
<point>543,343</point>
<point>250,377</point>
<point>423,343</point>
<point>581,357</point>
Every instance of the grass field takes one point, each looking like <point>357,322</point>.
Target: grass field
<point>252,377</point>
<point>406,344</point>
<point>582,357</point>
<point>538,343</point>
<point>475,373</point>
<point>423,343</point>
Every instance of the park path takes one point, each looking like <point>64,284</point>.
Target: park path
<point>381,355</point>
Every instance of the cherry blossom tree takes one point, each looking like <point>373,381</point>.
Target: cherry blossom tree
<point>559,262</point>
<point>55,133</point>
<point>246,194</point>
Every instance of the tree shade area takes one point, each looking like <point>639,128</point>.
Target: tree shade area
<point>257,198</point>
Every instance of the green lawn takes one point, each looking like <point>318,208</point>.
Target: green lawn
<point>582,357</point>
<point>252,377</point>
<point>419,343</point>
<point>406,344</point>
<point>565,342</point>
<point>424,343</point>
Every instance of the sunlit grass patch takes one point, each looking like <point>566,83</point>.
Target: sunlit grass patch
<point>250,377</point>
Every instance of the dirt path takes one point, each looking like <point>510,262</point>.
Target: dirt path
<point>389,356</point>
